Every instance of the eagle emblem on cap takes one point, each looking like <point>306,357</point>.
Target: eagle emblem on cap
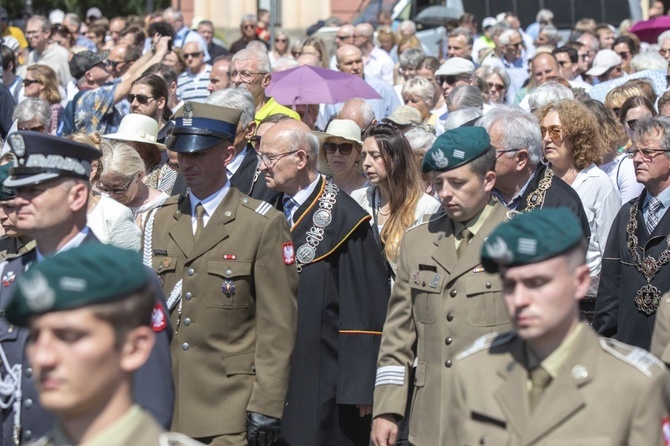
<point>37,292</point>
<point>18,144</point>
<point>498,251</point>
<point>439,159</point>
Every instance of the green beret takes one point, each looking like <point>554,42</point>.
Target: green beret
<point>455,148</point>
<point>6,193</point>
<point>530,238</point>
<point>89,274</point>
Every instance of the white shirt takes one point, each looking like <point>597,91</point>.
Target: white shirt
<point>379,65</point>
<point>210,204</point>
<point>302,196</point>
<point>601,203</point>
<point>622,173</point>
<point>235,164</point>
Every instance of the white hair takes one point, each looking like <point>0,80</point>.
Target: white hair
<point>520,130</point>
<point>665,35</point>
<point>420,138</point>
<point>547,93</point>
<point>649,60</point>
<point>236,98</point>
<point>457,118</point>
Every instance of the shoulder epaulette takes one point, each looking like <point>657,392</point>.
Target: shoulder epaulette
<point>487,341</point>
<point>263,208</point>
<point>637,357</point>
<point>428,218</point>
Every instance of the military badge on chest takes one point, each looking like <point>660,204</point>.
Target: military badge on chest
<point>228,288</point>
<point>8,279</point>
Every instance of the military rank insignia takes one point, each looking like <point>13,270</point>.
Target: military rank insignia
<point>8,279</point>
<point>158,319</point>
<point>228,288</point>
<point>289,253</point>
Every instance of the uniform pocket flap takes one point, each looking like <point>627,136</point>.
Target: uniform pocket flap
<point>483,283</point>
<point>229,268</point>
<point>240,364</point>
<point>420,374</point>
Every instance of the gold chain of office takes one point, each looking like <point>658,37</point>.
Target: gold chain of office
<point>536,199</point>
<point>648,298</point>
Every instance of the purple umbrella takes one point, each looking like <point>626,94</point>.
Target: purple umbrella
<point>315,85</point>
<point>649,30</point>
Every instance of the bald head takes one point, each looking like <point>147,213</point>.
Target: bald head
<point>345,35</point>
<point>349,60</point>
<point>363,36</point>
<point>357,110</point>
<point>543,67</point>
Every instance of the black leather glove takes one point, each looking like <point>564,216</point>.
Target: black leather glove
<point>261,429</point>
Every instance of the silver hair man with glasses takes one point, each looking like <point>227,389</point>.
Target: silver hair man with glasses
<point>250,69</point>
<point>634,272</point>
<point>523,182</point>
<point>342,294</point>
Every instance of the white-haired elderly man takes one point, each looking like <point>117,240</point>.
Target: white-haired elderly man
<point>192,84</point>
<point>664,45</point>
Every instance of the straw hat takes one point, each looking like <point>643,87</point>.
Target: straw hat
<point>138,128</point>
<point>340,128</point>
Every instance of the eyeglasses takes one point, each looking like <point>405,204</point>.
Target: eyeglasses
<point>585,56</point>
<point>246,75</point>
<point>142,99</point>
<point>664,51</point>
<point>32,33</point>
<point>554,131</point>
<point>114,63</point>
<point>645,153</point>
<point>28,82</point>
<point>500,153</point>
<point>193,55</point>
<point>450,80</point>
<point>116,190</point>
<point>564,62</point>
<point>632,123</point>
<point>345,148</point>
<point>271,160</point>
<point>343,37</point>
<point>498,87</point>
<point>624,54</point>
<point>249,26</point>
<point>515,45</point>
<point>281,40</point>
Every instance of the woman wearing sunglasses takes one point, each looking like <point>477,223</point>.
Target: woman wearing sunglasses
<point>121,179</point>
<point>395,196</point>
<point>572,146</point>
<point>41,82</point>
<point>281,48</point>
<point>339,154</point>
<point>497,82</point>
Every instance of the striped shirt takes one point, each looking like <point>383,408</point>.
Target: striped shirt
<point>193,87</point>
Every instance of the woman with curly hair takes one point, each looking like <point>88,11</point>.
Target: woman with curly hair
<point>395,196</point>
<point>572,146</point>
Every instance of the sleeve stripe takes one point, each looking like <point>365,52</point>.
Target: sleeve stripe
<point>390,374</point>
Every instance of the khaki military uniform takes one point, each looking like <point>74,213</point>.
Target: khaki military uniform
<point>135,427</point>
<point>605,393</point>
<point>439,305</point>
<point>235,322</point>
<point>660,339</point>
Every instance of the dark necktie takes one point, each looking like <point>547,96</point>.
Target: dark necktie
<point>289,205</point>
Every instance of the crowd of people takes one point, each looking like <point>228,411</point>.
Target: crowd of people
<point>477,255</point>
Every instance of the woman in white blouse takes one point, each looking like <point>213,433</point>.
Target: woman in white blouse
<point>572,146</point>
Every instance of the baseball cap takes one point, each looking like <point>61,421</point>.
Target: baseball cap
<point>84,61</point>
<point>604,60</point>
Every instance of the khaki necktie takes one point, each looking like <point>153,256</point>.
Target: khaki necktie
<point>540,379</point>
<point>200,220</point>
<point>466,236</point>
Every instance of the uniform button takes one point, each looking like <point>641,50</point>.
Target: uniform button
<point>447,363</point>
<point>253,368</point>
<point>185,346</point>
<point>10,329</point>
<point>450,317</point>
<point>187,321</point>
<point>453,293</point>
<point>488,284</point>
<point>441,237</point>
<point>188,295</point>
<point>160,267</point>
<point>190,271</point>
<point>448,341</point>
<point>27,434</point>
<point>29,372</point>
<point>28,403</point>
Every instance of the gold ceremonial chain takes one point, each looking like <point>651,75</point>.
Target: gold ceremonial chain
<point>536,199</point>
<point>648,297</point>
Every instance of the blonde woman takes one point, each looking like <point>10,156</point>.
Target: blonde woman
<point>41,82</point>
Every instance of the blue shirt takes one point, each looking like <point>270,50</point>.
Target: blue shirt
<point>664,196</point>
<point>95,111</point>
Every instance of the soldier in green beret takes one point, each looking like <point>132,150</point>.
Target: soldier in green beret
<point>442,299</point>
<point>89,311</point>
<point>552,380</point>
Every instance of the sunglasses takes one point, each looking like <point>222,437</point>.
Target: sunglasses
<point>554,131</point>
<point>194,55</point>
<point>116,190</point>
<point>114,63</point>
<point>345,148</point>
<point>450,79</point>
<point>141,98</point>
<point>624,54</point>
<point>249,26</point>
<point>343,37</point>
<point>632,123</point>
<point>36,128</point>
<point>27,82</point>
<point>281,40</point>
<point>498,87</point>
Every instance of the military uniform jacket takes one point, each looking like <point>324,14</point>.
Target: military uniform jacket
<point>617,314</point>
<point>660,339</point>
<point>235,322</point>
<point>606,393</point>
<point>559,194</point>
<point>438,306</point>
<point>152,383</point>
<point>342,300</point>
